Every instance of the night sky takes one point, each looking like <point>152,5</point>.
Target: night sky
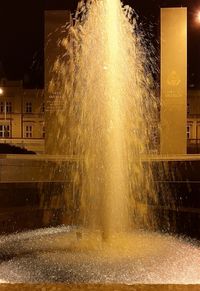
<point>22,35</point>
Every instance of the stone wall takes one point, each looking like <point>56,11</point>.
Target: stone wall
<point>38,192</point>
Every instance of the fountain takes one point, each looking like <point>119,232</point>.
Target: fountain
<point>108,103</point>
<point>108,109</point>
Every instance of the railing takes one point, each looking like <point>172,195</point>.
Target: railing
<point>193,146</point>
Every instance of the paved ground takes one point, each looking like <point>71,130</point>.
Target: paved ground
<point>58,287</point>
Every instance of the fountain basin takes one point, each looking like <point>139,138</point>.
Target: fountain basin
<point>75,256</point>
<point>25,182</point>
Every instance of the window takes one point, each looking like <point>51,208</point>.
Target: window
<point>28,108</point>
<point>188,131</point>
<point>8,107</point>
<point>28,131</point>
<point>5,105</point>
<point>4,131</point>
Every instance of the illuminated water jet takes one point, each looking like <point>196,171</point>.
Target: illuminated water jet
<point>108,111</point>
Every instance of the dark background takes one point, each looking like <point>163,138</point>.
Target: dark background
<point>22,35</point>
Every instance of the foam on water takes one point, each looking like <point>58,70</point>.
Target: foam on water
<point>61,255</point>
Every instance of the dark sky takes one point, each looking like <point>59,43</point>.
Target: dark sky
<point>22,34</point>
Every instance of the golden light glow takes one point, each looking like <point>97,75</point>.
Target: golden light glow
<point>1,91</point>
<point>198,17</point>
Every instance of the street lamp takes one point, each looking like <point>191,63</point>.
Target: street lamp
<point>1,91</point>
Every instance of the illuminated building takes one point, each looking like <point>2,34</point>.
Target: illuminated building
<point>22,116</point>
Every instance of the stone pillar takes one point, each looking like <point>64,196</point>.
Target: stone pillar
<point>173,139</point>
<point>55,29</point>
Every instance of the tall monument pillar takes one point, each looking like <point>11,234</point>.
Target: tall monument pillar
<point>173,139</point>
<point>55,23</point>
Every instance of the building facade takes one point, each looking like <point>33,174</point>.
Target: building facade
<point>22,116</point>
<point>24,112</point>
